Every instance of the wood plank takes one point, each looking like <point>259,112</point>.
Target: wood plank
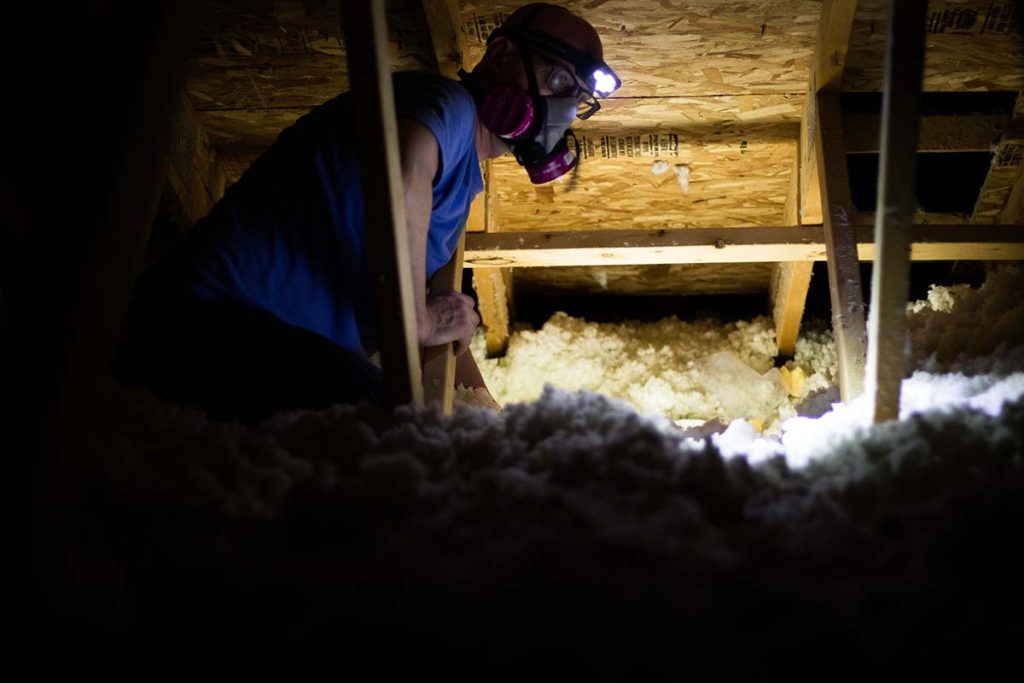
<point>897,200</point>
<point>728,245</point>
<point>972,45</point>
<point>1013,212</point>
<point>938,132</point>
<point>494,295</point>
<point>365,33</point>
<point>790,281</point>
<point>738,175</point>
<point>447,35</point>
<point>788,293</point>
<point>1004,172</point>
<point>841,245</point>
<point>827,65</point>
<point>439,361</point>
<point>687,48</point>
<point>447,38</point>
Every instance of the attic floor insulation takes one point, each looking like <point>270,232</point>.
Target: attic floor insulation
<point>573,534</point>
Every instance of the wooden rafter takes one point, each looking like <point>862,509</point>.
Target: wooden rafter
<point>365,30</point>
<point>827,72</point>
<point>890,282</point>
<point>1005,171</point>
<point>448,41</point>
<point>729,245</point>
<point>841,246</point>
<point>791,281</point>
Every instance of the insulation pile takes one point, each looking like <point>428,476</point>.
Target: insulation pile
<point>686,371</point>
<point>571,533</point>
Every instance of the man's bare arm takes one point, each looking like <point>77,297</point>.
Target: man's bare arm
<point>444,316</point>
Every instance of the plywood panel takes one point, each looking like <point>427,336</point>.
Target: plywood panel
<point>738,176</point>
<point>257,60</point>
<point>672,48</point>
<point>971,45</point>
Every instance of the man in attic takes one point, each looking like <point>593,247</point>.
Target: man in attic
<point>268,304</point>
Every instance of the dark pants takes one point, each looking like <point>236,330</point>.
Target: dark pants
<point>235,362</point>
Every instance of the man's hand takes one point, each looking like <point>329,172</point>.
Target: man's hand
<point>450,318</point>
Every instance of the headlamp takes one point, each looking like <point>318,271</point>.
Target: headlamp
<point>597,78</point>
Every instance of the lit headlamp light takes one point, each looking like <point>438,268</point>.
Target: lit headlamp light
<point>597,78</point>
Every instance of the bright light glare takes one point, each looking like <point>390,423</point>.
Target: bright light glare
<point>604,83</point>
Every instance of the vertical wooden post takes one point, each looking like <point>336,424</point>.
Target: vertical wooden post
<point>444,18</point>
<point>365,29</point>
<point>493,293</point>
<point>791,281</point>
<point>439,361</point>
<point>840,247</point>
<point>901,108</point>
<point>826,74</point>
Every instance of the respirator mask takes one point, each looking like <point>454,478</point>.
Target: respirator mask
<point>535,127</point>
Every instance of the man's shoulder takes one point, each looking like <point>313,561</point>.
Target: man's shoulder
<point>427,86</point>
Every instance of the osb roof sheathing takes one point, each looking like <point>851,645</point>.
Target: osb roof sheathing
<point>716,85</point>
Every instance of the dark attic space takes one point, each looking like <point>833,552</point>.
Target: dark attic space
<point>608,338</point>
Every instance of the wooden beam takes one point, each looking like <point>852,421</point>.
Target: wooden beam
<point>439,361</point>
<point>728,245</point>
<point>444,19</point>
<point>790,281</point>
<point>841,247</point>
<point>1005,171</point>
<point>494,296</point>
<point>788,293</point>
<point>365,29</point>
<point>938,132</point>
<point>890,276</point>
<point>826,74</point>
<point>1013,212</point>
<point>195,178</point>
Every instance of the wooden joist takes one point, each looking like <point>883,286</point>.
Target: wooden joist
<point>728,245</point>
<point>841,247</point>
<point>791,281</point>
<point>448,39</point>
<point>826,74</point>
<point>1004,172</point>
<point>788,293</point>
<point>494,296</point>
<point>365,31</point>
<point>890,279</point>
<point>447,35</point>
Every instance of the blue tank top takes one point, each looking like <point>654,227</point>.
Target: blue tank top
<point>290,236</point>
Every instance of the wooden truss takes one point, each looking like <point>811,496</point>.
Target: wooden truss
<point>822,223</point>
